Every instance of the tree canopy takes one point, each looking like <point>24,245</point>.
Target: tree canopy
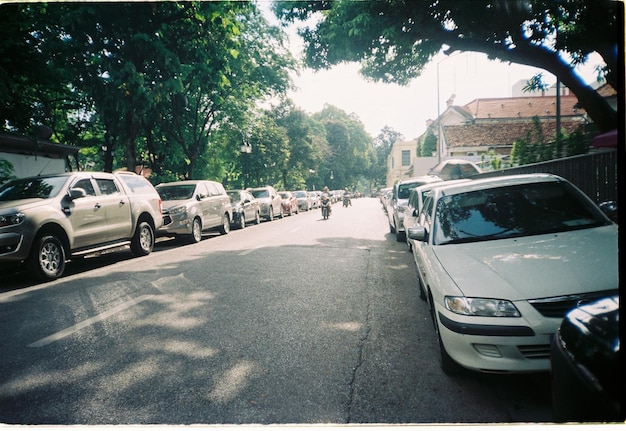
<point>394,39</point>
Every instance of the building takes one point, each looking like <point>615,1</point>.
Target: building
<point>31,156</point>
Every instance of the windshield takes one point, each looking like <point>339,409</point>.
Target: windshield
<point>300,194</point>
<point>176,193</point>
<point>234,196</point>
<point>29,188</point>
<point>285,195</point>
<point>260,193</point>
<point>505,212</point>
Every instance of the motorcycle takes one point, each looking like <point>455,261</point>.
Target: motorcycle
<point>326,208</point>
<point>346,200</point>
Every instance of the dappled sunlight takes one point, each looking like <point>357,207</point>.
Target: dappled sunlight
<point>38,379</point>
<point>345,326</point>
<point>184,348</point>
<point>230,383</point>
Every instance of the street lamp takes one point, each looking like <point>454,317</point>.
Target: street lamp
<point>246,148</point>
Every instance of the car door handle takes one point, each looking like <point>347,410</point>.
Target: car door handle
<point>122,202</point>
<point>97,206</point>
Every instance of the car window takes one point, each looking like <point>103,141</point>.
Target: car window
<point>211,189</point>
<point>177,192</point>
<point>505,212</point>
<point>85,184</point>
<point>260,193</point>
<point>137,183</point>
<point>28,188</point>
<point>107,186</point>
<point>424,217</point>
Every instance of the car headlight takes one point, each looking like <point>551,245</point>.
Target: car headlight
<point>11,219</point>
<point>177,210</point>
<point>485,307</point>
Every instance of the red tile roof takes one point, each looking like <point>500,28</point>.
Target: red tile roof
<point>522,107</point>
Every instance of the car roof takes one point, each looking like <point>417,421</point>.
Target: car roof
<point>424,178</point>
<point>491,182</point>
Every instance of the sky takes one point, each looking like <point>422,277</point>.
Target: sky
<point>406,109</point>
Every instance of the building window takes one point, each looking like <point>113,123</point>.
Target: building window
<point>406,157</point>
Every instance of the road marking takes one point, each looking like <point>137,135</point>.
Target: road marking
<point>295,230</point>
<point>85,323</point>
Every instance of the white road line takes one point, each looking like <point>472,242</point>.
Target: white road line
<point>85,323</point>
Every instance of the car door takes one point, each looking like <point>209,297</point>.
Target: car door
<point>212,204</point>
<point>87,216</point>
<point>421,248</point>
<point>118,209</point>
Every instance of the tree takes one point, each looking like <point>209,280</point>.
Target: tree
<point>394,39</point>
<point>429,145</point>
<point>382,146</point>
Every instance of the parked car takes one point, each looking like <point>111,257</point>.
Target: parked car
<point>290,203</point>
<point>315,200</point>
<point>245,208</point>
<point>501,260</point>
<point>194,206</point>
<point>269,201</point>
<point>585,364</point>
<point>46,220</point>
<point>304,201</point>
<point>396,206</point>
<point>415,203</point>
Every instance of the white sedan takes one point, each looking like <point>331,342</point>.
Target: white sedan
<point>501,261</point>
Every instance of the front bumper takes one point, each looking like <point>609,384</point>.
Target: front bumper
<point>177,224</point>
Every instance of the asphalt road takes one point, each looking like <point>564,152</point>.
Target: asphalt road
<point>295,321</point>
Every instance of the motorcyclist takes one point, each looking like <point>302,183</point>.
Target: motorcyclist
<point>346,198</point>
<point>325,200</point>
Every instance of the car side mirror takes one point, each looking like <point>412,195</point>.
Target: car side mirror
<point>610,209</point>
<point>76,193</point>
<point>417,233</point>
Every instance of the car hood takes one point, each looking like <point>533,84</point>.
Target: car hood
<point>534,267</point>
<point>24,204</point>
<point>175,203</point>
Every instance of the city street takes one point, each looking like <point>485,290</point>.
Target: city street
<point>296,321</point>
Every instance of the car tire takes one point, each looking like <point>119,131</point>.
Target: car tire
<point>271,216</point>
<point>421,288</point>
<point>400,236</point>
<point>47,258</point>
<point>196,231</point>
<point>242,221</point>
<point>225,227</point>
<point>448,365</point>
<point>143,240</point>
<point>257,218</point>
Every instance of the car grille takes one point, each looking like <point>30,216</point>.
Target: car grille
<point>541,351</point>
<point>558,306</point>
<point>167,219</point>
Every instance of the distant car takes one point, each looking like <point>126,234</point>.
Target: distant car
<point>290,203</point>
<point>315,199</point>
<point>304,201</point>
<point>415,203</point>
<point>585,364</point>
<point>396,206</point>
<point>270,203</point>
<point>48,219</point>
<point>194,206</point>
<point>500,261</point>
<point>245,208</point>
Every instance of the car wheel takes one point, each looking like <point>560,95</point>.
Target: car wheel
<point>196,230</point>
<point>257,218</point>
<point>143,240</point>
<point>225,227</point>
<point>448,365</point>
<point>271,216</point>
<point>282,213</point>
<point>421,288</point>
<point>391,228</point>
<point>47,258</point>
<point>400,236</point>
<point>242,221</point>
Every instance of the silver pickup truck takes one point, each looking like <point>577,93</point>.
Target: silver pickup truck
<point>46,220</point>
